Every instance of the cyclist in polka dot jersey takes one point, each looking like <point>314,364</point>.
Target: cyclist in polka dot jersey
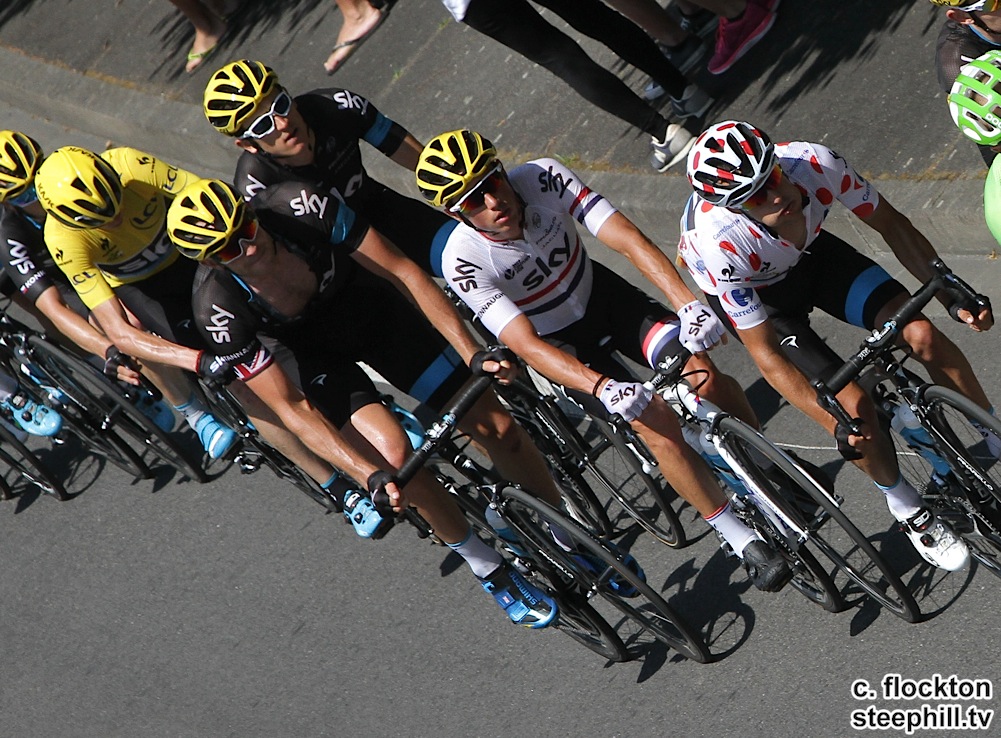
<point>752,238</point>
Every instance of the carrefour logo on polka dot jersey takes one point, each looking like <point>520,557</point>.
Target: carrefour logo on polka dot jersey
<point>739,297</point>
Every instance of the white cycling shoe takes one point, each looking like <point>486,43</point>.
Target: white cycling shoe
<point>935,541</point>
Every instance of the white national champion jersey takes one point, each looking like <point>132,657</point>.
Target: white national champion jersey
<point>728,254</point>
<point>546,274</point>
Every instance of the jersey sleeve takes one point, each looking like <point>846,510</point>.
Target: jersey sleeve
<point>71,251</point>
<point>566,190</point>
<point>133,165</point>
<point>474,285</point>
<point>850,188</point>
<point>227,324</point>
<point>21,248</point>
<point>359,117</point>
<point>306,214</point>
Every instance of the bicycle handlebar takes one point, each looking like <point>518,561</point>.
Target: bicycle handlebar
<point>882,339</point>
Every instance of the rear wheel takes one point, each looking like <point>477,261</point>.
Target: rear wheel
<point>606,575</point>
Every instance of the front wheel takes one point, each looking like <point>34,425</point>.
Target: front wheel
<point>24,465</point>
<point>812,505</point>
<point>592,568</point>
<point>641,492</point>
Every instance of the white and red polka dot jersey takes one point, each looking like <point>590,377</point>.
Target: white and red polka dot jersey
<point>728,254</point>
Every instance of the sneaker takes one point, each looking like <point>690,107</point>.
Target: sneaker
<point>671,149</point>
<point>31,417</point>
<point>701,23</point>
<point>767,569</point>
<point>935,541</point>
<point>694,102</point>
<point>524,604</point>
<point>594,565</point>
<point>683,57</point>
<point>734,38</point>
<point>216,438</point>
<point>158,411</point>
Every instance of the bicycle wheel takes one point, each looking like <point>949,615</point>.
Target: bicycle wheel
<point>81,412</point>
<point>829,530</point>
<point>564,451</point>
<point>790,490</point>
<point>107,400</point>
<point>969,498</point>
<point>531,518</point>
<point>23,464</point>
<point>582,622</point>
<point>641,493</point>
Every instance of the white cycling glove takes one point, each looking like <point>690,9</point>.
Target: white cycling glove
<point>628,399</point>
<point>700,328</point>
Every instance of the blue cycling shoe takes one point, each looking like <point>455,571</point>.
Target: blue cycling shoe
<point>216,438</point>
<point>524,603</point>
<point>360,511</point>
<point>158,411</point>
<point>31,417</point>
<point>616,583</point>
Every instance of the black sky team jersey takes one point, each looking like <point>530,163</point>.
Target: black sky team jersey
<point>27,266</point>
<point>229,314</point>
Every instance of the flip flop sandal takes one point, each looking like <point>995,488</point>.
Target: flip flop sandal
<point>200,57</point>
<point>354,43</point>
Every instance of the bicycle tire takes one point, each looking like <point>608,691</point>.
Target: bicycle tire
<point>975,512</point>
<point>117,409</point>
<point>641,494</point>
<point>563,450</point>
<point>29,467</point>
<point>830,530</point>
<point>530,517</point>
<point>578,620</point>
<point>749,447</point>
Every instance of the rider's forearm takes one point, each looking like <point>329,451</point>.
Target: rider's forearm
<point>70,324</point>
<point>421,290</point>
<point>140,344</point>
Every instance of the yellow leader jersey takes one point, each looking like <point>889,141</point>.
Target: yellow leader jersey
<point>98,259</point>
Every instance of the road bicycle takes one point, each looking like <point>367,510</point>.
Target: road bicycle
<point>794,509</point>
<point>100,411</point>
<point>522,532</point>
<point>253,452</point>
<point>939,433</point>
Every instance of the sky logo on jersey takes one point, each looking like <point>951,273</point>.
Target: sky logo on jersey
<point>348,100</point>
<point>20,259</point>
<point>219,330</point>
<point>553,182</point>
<point>306,204</point>
<point>466,270</point>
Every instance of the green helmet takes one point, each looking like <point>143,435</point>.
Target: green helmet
<point>975,99</point>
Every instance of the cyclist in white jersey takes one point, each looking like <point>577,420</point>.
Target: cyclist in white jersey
<point>753,240</point>
<point>517,260</point>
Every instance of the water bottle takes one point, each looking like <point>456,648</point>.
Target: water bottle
<point>910,429</point>
<point>698,440</point>
<point>358,509</point>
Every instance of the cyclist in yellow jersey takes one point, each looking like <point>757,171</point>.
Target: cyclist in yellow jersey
<point>106,230</point>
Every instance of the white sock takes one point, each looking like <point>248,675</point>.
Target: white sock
<point>902,499</point>
<point>482,559</point>
<point>990,437</point>
<point>192,410</point>
<point>732,529</point>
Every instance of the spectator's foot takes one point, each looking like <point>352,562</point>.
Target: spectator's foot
<point>701,23</point>
<point>670,149</point>
<point>205,44</point>
<point>736,37</point>
<point>353,34</point>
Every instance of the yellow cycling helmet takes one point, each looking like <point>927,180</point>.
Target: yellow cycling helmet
<point>205,217</point>
<point>78,188</point>
<point>963,4</point>
<point>20,156</point>
<point>234,92</point>
<point>451,163</point>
